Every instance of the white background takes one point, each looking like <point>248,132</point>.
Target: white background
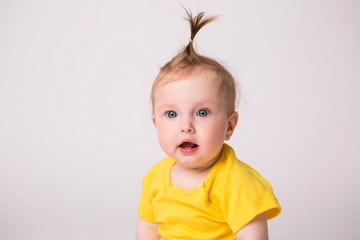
<point>76,136</point>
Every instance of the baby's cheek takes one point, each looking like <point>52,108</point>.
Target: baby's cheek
<point>218,132</point>
<point>165,138</point>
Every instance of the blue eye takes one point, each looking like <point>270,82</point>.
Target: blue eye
<point>203,113</point>
<point>171,114</point>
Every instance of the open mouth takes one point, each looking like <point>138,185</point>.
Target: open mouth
<point>188,147</point>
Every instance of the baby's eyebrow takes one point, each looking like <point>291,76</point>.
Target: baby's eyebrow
<point>166,106</point>
<point>207,102</point>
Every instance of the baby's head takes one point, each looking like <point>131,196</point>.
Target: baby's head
<point>193,100</point>
<point>188,62</point>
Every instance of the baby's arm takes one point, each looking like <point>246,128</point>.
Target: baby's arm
<point>147,231</point>
<point>256,229</point>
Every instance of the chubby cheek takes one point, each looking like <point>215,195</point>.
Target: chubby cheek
<point>165,137</point>
<point>214,135</point>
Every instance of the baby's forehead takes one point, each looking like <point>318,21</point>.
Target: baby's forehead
<point>191,87</point>
<point>195,88</point>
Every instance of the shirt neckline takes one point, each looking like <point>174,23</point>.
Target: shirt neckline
<point>203,184</point>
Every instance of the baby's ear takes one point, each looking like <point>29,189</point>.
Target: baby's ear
<point>153,120</point>
<point>233,119</point>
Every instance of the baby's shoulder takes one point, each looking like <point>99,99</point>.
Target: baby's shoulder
<point>157,171</point>
<point>236,172</point>
<point>241,177</point>
<point>230,164</point>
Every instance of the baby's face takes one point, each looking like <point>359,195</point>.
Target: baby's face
<point>191,120</point>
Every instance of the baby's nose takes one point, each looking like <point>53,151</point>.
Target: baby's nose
<point>187,127</point>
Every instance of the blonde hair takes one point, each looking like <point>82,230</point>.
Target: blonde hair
<point>187,61</point>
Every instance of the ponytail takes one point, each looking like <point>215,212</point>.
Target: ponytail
<point>195,23</point>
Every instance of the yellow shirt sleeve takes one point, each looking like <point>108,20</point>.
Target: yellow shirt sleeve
<point>145,208</point>
<point>244,195</point>
<point>151,182</point>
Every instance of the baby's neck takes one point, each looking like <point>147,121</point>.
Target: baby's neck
<point>188,178</point>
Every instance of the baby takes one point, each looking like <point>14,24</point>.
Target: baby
<point>200,190</point>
